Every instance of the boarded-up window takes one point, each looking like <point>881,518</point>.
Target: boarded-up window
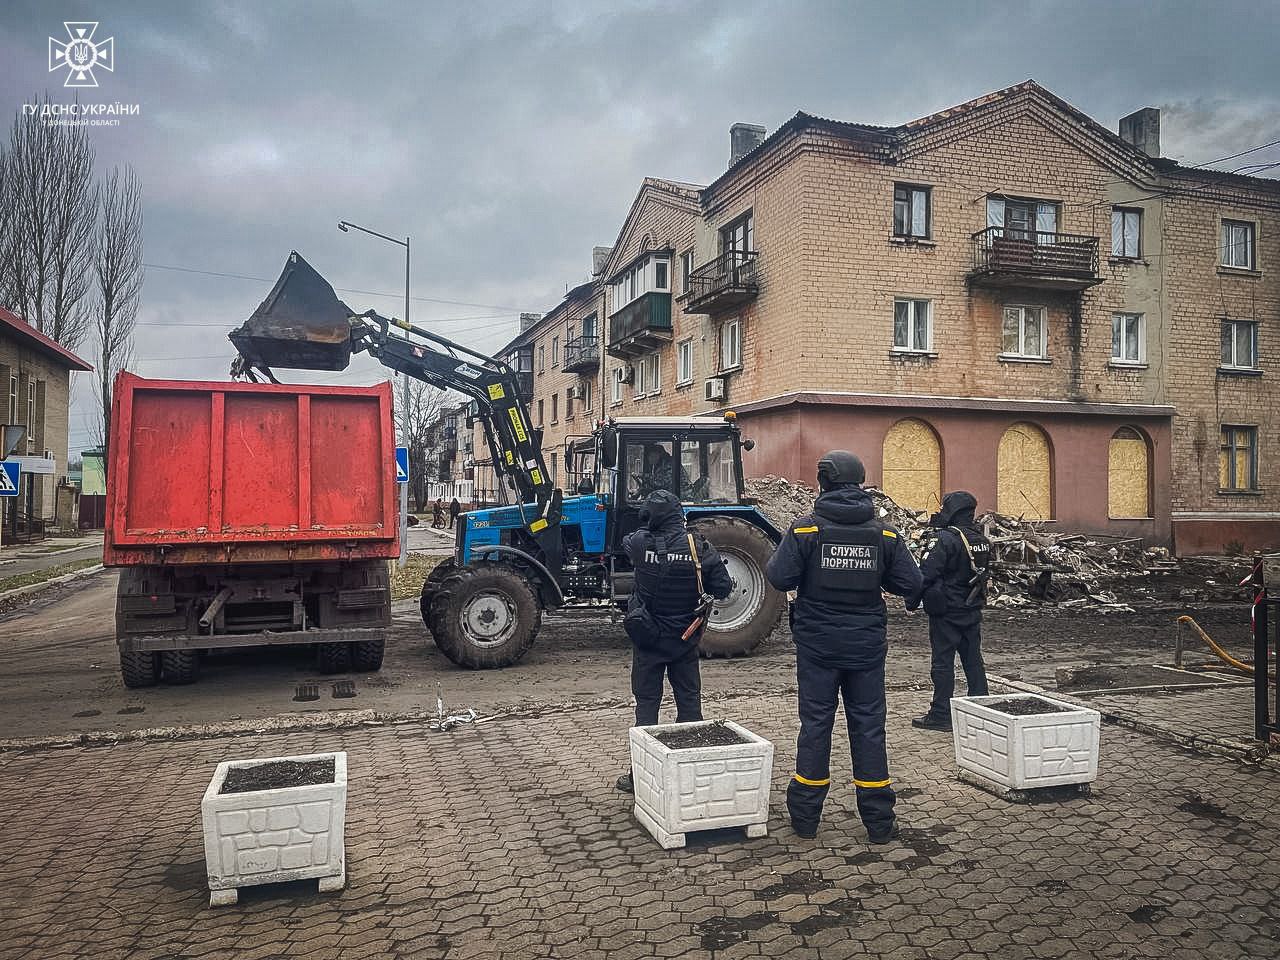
<point>1128,476</point>
<point>1023,487</point>
<point>913,465</point>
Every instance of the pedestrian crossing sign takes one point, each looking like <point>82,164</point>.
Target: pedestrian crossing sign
<point>402,464</point>
<point>10,471</point>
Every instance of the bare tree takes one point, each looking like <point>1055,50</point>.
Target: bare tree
<point>117,266</point>
<point>47,252</point>
<point>419,425</point>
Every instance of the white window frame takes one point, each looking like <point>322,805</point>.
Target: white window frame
<point>1231,361</point>
<point>640,279</point>
<point>542,358</point>
<point>1022,351</point>
<point>1126,232</point>
<point>729,337</point>
<point>1236,255</point>
<point>586,397</point>
<point>684,362</point>
<point>913,305</point>
<point>13,398</point>
<point>1119,322</point>
<point>615,391</point>
<point>686,270</point>
<point>31,410</point>
<point>555,352</point>
<point>654,377</point>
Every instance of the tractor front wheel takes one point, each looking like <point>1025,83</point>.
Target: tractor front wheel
<point>485,616</point>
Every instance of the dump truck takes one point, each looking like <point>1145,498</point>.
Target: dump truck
<point>543,550</point>
<point>243,514</point>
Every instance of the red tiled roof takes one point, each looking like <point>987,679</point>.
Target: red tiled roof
<point>14,325</point>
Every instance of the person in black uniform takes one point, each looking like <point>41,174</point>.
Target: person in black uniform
<point>953,589</point>
<point>838,559</point>
<point>664,603</point>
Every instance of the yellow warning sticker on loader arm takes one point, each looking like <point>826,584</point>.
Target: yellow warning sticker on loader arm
<point>517,424</point>
<point>496,392</point>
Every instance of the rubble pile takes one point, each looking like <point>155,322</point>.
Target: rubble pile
<point>1032,564</point>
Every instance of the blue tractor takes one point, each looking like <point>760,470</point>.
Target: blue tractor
<point>544,550</point>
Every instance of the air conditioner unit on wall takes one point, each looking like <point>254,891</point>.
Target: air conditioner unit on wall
<point>625,373</point>
<point>575,393</point>
<point>713,388</point>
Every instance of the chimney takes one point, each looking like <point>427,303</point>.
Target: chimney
<point>1142,129</point>
<point>527,320</point>
<point>743,138</point>
<point>599,257</point>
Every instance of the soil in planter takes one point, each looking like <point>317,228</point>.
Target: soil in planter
<point>1024,706</point>
<point>277,774</point>
<point>688,736</point>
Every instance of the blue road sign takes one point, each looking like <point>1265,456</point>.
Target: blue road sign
<point>10,472</point>
<point>402,464</point>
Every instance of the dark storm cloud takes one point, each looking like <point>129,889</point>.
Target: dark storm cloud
<point>507,139</point>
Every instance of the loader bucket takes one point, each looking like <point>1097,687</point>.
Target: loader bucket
<point>302,324</point>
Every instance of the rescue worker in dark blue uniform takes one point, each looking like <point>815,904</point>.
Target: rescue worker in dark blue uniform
<point>954,569</point>
<point>665,603</point>
<point>838,559</point>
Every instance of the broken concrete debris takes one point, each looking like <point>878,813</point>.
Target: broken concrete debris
<point>1032,564</point>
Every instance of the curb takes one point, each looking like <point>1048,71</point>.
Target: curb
<point>53,582</point>
<point>1255,754</point>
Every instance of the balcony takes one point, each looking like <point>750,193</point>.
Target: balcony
<point>641,326</point>
<point>582,354</point>
<point>1008,257</point>
<point>726,282</point>
<point>524,384</point>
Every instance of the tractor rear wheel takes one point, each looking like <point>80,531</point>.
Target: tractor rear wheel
<point>740,622</point>
<point>485,616</point>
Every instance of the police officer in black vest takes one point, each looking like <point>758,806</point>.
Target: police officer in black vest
<point>839,558</point>
<point>954,570</point>
<point>665,603</point>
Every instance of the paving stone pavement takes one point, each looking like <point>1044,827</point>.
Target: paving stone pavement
<point>508,841</point>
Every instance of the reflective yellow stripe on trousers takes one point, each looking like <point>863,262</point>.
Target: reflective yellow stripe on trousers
<point>813,783</point>
<point>871,784</point>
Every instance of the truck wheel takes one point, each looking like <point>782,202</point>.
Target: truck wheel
<point>139,669</point>
<point>485,616</point>
<point>740,623</point>
<point>333,657</point>
<point>366,656</point>
<point>441,572</point>
<point>180,666</point>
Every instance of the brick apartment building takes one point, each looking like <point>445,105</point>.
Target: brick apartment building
<point>36,371</point>
<point>1004,296</point>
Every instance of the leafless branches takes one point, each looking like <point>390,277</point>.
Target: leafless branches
<point>118,269</point>
<point>418,409</point>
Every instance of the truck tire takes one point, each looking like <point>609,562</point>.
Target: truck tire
<point>485,616</point>
<point>740,623</point>
<point>366,656</point>
<point>441,572</point>
<point>139,669</point>
<point>180,666</point>
<point>333,657</point>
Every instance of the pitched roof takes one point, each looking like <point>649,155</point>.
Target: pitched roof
<point>13,325</point>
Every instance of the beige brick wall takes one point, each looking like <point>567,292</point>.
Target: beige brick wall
<point>50,433</point>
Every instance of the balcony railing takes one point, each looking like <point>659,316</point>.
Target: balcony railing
<point>726,282</point>
<point>582,354</point>
<point>1007,256</point>
<point>640,326</point>
<point>524,384</point>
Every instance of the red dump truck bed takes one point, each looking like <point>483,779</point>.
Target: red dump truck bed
<point>249,473</point>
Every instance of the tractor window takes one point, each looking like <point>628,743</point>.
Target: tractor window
<point>649,468</point>
<point>708,473</point>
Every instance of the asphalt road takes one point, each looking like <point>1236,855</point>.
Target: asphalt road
<point>59,667</point>
<point>26,559</point>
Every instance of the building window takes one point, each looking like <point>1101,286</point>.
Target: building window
<point>739,235</point>
<point>1035,220</point>
<point>555,352</point>
<point>1238,244</point>
<point>684,362</point>
<point>586,397</point>
<point>1240,344</point>
<point>637,376</point>
<point>555,408</point>
<point>555,473</point>
<point>731,344</point>
<point>13,399</point>
<point>1238,459</point>
<point>647,276</point>
<point>1126,232</point>
<point>1024,332</point>
<point>660,279</point>
<point>911,471</point>
<point>911,215</point>
<point>31,411</point>
<point>568,404</point>
<point>540,411</point>
<point>1024,480</point>
<point>686,268</point>
<point>653,378</point>
<point>1127,341</point>
<point>615,385</point>
<point>589,327</point>
<point>912,329</point>
<point>1128,476</point>
<point>542,358</point>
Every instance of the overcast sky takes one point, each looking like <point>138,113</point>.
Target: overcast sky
<point>509,138</point>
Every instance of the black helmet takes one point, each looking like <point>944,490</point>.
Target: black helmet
<point>840,468</point>
<point>660,506</point>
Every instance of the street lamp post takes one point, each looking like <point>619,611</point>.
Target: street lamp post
<point>345,226</point>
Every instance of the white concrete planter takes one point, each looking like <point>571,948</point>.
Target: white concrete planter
<point>269,836</point>
<point>1025,752</point>
<point>701,788</point>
